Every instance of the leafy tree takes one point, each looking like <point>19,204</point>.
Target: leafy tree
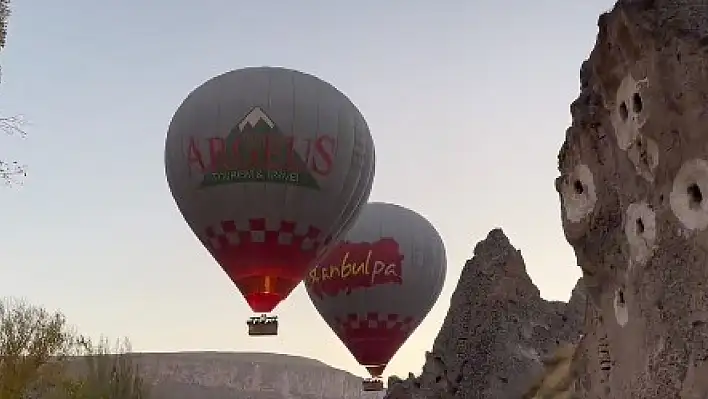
<point>12,125</point>
<point>41,357</point>
<point>33,345</point>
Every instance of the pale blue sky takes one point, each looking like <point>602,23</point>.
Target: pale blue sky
<point>467,102</point>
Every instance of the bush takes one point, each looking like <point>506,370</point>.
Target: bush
<point>42,358</point>
<point>107,374</point>
<point>33,346</point>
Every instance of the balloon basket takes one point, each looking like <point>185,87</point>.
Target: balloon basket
<point>262,325</point>
<point>372,385</point>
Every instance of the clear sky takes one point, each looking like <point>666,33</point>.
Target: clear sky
<point>468,102</point>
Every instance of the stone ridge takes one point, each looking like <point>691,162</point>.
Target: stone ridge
<point>496,332</point>
<point>219,375</point>
<point>633,180</point>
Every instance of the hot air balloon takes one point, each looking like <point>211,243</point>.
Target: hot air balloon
<point>377,285</point>
<point>269,167</point>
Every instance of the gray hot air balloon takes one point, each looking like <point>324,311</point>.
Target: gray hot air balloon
<point>269,167</point>
<point>377,285</point>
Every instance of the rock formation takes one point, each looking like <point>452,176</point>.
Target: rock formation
<point>213,375</point>
<point>496,332</point>
<point>634,199</point>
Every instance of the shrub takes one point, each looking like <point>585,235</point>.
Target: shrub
<point>106,373</point>
<point>42,358</point>
<point>33,346</point>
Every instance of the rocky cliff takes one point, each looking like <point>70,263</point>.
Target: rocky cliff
<point>496,332</point>
<point>633,187</point>
<point>212,375</point>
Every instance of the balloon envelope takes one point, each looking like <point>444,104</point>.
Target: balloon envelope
<point>376,286</point>
<point>268,166</point>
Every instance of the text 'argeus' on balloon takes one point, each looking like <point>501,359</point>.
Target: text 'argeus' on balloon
<point>269,167</point>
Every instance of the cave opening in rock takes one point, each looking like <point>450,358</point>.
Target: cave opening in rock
<point>695,195</point>
<point>637,105</point>
<point>620,299</point>
<point>578,187</point>
<point>640,226</point>
<point>623,111</point>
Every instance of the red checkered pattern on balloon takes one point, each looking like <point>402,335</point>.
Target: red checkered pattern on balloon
<point>226,234</point>
<point>373,324</point>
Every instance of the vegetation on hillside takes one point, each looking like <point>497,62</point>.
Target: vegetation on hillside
<point>41,357</point>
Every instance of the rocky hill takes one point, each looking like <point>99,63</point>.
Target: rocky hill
<point>218,375</point>
<point>496,333</point>
<point>633,185</point>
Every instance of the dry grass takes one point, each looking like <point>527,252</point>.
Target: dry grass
<point>107,373</point>
<point>558,377</point>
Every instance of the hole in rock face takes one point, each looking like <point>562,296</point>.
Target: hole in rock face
<point>695,196</point>
<point>623,111</point>
<point>637,105</point>
<point>620,299</point>
<point>640,226</point>
<point>578,187</point>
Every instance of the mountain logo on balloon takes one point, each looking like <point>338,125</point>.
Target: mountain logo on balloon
<point>352,266</point>
<point>256,150</point>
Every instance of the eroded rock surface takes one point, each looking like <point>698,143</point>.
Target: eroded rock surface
<point>214,375</point>
<point>634,199</point>
<point>496,332</point>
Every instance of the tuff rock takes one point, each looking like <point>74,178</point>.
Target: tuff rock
<point>633,186</point>
<point>496,332</point>
<point>219,375</point>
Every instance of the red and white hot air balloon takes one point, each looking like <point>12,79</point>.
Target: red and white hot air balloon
<point>377,285</point>
<point>269,166</point>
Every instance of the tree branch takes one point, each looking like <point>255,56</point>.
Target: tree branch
<point>11,171</point>
<point>13,125</point>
